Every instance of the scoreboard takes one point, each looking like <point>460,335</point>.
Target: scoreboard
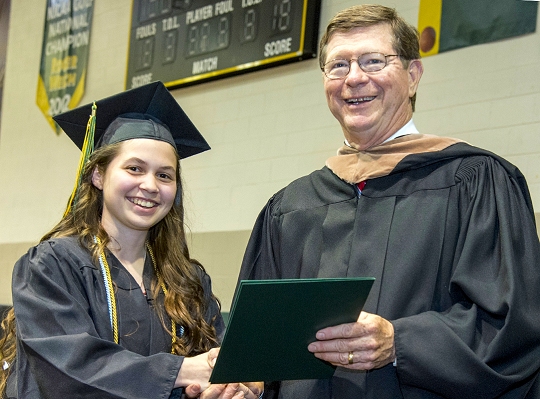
<point>185,42</point>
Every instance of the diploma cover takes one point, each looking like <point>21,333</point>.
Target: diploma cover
<point>272,322</point>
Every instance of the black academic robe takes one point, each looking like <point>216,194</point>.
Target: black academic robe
<point>64,338</point>
<point>450,238</point>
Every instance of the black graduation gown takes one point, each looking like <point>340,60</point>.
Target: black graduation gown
<point>64,338</point>
<point>451,239</point>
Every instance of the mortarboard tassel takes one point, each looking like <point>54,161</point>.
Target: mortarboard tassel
<point>87,150</point>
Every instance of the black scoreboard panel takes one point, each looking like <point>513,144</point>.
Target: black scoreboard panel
<point>184,42</point>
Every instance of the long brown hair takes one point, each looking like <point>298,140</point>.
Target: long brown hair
<point>184,302</point>
<point>8,348</point>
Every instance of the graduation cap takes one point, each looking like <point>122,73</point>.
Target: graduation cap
<point>148,112</point>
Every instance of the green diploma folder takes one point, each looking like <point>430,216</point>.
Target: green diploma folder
<point>272,322</point>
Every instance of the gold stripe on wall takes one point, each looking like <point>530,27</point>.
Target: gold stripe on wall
<point>429,26</point>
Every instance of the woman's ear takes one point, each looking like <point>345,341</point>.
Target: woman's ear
<point>97,179</point>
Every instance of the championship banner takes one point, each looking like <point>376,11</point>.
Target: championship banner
<point>451,24</point>
<point>64,56</point>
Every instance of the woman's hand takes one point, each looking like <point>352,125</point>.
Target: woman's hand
<point>195,373</point>
<point>196,370</point>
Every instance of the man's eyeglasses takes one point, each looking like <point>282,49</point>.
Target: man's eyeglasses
<point>368,62</point>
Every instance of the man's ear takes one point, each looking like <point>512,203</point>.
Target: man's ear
<point>97,179</point>
<point>415,70</point>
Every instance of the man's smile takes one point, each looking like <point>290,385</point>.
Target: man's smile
<point>359,100</point>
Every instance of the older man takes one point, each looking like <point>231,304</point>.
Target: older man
<point>447,229</point>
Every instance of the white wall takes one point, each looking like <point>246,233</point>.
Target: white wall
<point>266,128</point>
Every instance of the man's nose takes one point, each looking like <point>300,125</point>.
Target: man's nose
<point>356,74</point>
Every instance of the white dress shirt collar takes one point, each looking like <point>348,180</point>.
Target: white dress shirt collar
<point>408,128</point>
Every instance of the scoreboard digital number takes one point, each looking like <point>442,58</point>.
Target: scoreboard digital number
<point>185,42</point>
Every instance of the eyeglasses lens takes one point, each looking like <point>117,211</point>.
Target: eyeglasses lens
<point>369,62</point>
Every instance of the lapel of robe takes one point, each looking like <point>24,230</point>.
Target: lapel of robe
<point>359,228</point>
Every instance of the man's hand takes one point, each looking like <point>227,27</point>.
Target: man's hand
<point>249,390</point>
<point>364,345</point>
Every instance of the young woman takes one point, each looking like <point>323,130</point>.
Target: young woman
<point>110,304</point>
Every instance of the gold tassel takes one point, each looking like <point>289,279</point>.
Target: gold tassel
<point>87,150</point>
